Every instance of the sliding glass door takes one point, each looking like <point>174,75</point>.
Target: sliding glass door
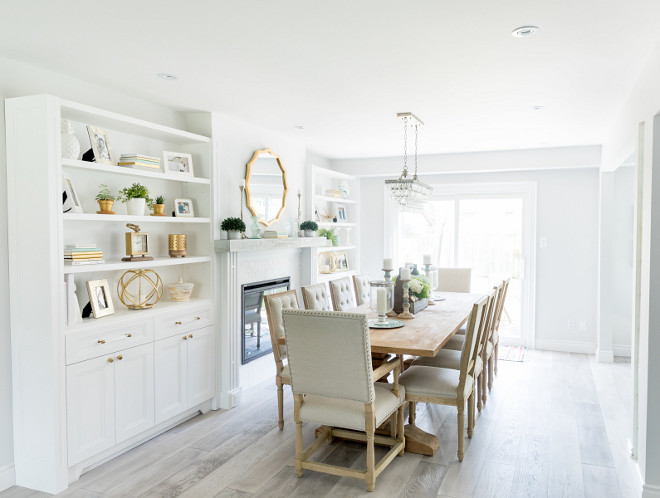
<point>479,228</point>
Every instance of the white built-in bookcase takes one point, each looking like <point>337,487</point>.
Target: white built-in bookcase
<point>321,180</point>
<point>48,347</point>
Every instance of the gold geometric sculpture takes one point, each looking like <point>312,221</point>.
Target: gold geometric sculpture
<point>153,289</point>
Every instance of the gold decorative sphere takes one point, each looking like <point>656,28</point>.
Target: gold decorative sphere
<point>139,289</point>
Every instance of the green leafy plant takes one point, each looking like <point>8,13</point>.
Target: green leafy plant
<point>232,224</point>
<point>330,235</point>
<point>104,194</point>
<point>420,287</point>
<point>135,191</point>
<point>160,200</point>
<point>309,225</point>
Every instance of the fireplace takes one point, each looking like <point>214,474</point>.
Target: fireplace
<point>255,335</point>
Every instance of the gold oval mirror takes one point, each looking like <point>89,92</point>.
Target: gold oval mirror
<point>265,186</point>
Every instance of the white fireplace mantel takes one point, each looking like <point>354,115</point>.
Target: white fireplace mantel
<point>225,245</point>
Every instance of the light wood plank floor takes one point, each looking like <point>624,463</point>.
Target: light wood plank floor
<point>555,425</point>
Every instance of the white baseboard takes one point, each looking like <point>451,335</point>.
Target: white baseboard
<point>7,477</point>
<point>604,356</point>
<point>620,350</point>
<point>231,399</point>
<point>565,346</point>
<point>649,491</point>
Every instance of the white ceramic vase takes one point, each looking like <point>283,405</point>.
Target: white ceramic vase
<point>233,234</point>
<point>310,233</point>
<point>70,144</point>
<point>136,206</point>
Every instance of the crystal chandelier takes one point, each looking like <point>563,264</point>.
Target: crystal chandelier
<point>408,192</point>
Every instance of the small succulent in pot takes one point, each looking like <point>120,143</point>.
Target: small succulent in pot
<point>159,206</point>
<point>309,227</point>
<point>233,226</point>
<point>105,199</point>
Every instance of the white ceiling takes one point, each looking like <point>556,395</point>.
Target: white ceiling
<point>344,68</point>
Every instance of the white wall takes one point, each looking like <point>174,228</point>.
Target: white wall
<point>566,275</point>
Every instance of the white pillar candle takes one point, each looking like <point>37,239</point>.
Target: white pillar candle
<point>381,300</point>
<point>427,259</point>
<point>387,264</point>
<point>405,273</point>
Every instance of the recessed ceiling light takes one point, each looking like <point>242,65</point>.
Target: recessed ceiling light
<point>167,76</point>
<point>524,31</point>
<point>537,107</point>
<point>299,127</point>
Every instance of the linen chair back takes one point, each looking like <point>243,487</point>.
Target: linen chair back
<point>471,336</point>
<point>329,354</point>
<point>342,295</point>
<point>486,323</point>
<point>500,307</point>
<point>362,289</point>
<point>275,304</point>
<point>315,297</point>
<point>499,289</point>
<point>454,279</point>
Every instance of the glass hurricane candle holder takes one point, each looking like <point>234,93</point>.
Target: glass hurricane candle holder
<point>381,301</point>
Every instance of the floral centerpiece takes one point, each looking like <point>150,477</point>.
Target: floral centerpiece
<point>419,290</point>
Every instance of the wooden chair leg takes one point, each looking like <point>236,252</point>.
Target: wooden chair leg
<point>411,412</point>
<point>280,402</point>
<point>477,393</point>
<point>299,435</point>
<point>496,351</point>
<point>400,436</point>
<point>394,424</point>
<point>470,428</point>
<point>484,391</point>
<point>461,430</point>
<point>490,373</point>
<point>370,420</point>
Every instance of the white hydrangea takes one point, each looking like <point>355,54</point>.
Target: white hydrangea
<point>416,286</point>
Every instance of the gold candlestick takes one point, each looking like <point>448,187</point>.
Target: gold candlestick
<point>406,301</point>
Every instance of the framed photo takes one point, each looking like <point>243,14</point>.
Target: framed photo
<point>100,298</point>
<point>183,207</point>
<point>327,262</point>
<point>341,214</point>
<point>98,139</point>
<point>342,261</point>
<point>178,163</point>
<point>70,199</point>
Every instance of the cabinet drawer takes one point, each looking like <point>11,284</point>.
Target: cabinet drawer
<point>84,345</point>
<point>182,321</point>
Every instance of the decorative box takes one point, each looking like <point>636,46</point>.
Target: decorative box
<point>415,306</point>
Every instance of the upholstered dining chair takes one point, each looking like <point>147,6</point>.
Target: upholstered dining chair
<point>336,389</point>
<point>454,279</point>
<point>275,304</point>
<point>496,329</point>
<point>342,295</point>
<point>316,297</point>
<point>362,289</point>
<point>447,386</point>
<point>451,358</point>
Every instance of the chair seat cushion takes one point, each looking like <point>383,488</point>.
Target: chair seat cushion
<point>455,342</point>
<point>286,374</point>
<point>448,358</point>
<point>496,336</point>
<point>489,349</point>
<point>432,381</point>
<point>350,414</point>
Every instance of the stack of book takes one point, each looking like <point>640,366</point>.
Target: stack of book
<point>82,254</point>
<point>140,161</point>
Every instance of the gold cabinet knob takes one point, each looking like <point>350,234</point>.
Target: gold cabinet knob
<point>185,337</point>
<point>111,360</point>
<point>120,357</point>
<point>197,318</point>
<point>178,323</point>
<point>129,335</point>
<point>101,341</point>
<point>191,336</point>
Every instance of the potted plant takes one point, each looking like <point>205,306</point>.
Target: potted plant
<point>309,227</point>
<point>159,206</point>
<point>330,235</point>
<point>136,197</point>
<point>105,200</point>
<point>234,227</point>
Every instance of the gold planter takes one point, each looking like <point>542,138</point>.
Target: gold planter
<point>159,210</point>
<point>106,207</point>
<point>177,245</point>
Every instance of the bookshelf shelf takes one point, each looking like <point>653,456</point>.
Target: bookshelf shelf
<point>120,170</point>
<point>131,265</point>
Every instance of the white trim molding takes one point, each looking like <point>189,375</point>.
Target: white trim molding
<point>650,491</point>
<point>605,356</point>
<point>622,350</point>
<point>566,346</point>
<point>7,477</point>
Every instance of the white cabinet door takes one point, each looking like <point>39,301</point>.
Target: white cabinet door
<point>90,393</point>
<point>171,370</point>
<point>201,369</point>
<point>134,391</point>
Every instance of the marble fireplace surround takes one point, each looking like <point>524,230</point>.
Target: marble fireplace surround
<point>241,262</point>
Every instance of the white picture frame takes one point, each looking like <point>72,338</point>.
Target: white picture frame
<point>178,163</point>
<point>70,200</point>
<point>98,140</point>
<point>100,298</point>
<point>183,208</point>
